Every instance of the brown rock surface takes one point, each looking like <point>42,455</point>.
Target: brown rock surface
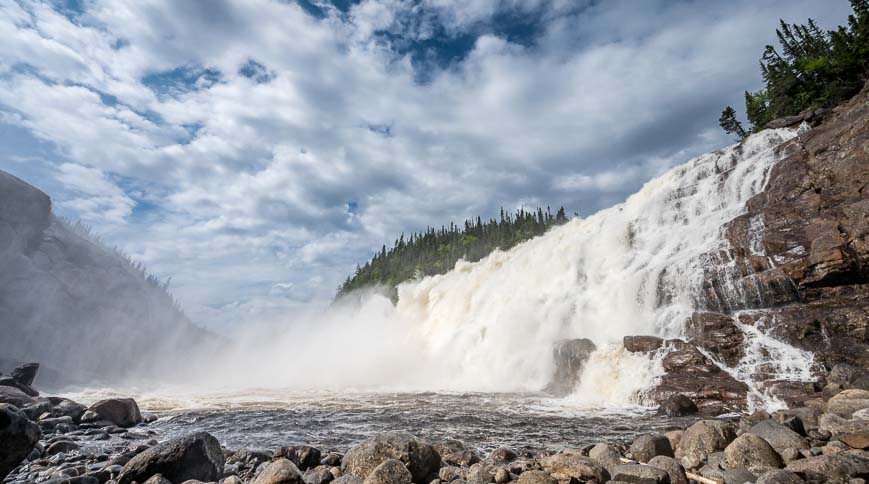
<point>798,260</point>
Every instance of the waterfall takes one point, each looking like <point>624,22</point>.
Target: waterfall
<point>636,268</point>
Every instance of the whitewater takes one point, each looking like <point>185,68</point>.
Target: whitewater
<point>488,328</point>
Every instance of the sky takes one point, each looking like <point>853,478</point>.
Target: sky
<point>255,151</point>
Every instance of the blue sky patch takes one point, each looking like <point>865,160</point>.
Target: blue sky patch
<point>256,71</point>
<point>182,80</point>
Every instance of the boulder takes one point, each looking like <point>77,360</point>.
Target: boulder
<point>462,458</point>
<point>18,436</point>
<point>26,373</point>
<point>448,446</point>
<point>158,479</point>
<point>34,410</point>
<point>389,472</point>
<point>61,446</point>
<point>502,455</point>
<point>574,465</point>
<point>673,468</point>
<point>420,458</point>
<point>836,467</point>
<point>674,436</point>
<point>8,381</point>
<point>690,373</point>
<point>642,344</point>
<point>606,456</point>
<point>846,402</point>
<point>196,456</point>
<point>68,408</point>
<point>779,476</point>
<point>536,477</point>
<point>569,355</point>
<point>702,439</point>
<point>842,374</point>
<point>451,473</point>
<point>123,412</point>
<point>779,436</point>
<point>647,446</point>
<point>303,456</point>
<point>786,121</point>
<point>480,473</point>
<point>678,406</point>
<point>738,476</point>
<point>749,450</point>
<point>856,440</point>
<point>280,471</point>
<point>641,474</point>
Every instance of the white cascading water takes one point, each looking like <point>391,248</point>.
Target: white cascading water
<point>631,269</point>
<point>490,326</point>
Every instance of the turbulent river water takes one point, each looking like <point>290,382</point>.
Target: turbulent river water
<point>268,419</point>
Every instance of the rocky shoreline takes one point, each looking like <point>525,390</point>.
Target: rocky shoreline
<point>56,440</point>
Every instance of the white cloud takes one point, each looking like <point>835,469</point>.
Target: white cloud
<point>240,189</point>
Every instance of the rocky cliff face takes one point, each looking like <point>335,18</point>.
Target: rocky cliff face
<point>70,303</point>
<point>797,271</point>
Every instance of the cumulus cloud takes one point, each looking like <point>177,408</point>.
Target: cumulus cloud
<point>257,150</point>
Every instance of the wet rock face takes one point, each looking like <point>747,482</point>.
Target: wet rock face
<point>197,456</point>
<point>690,374</point>
<point>798,258</point>
<point>569,355</point>
<point>18,436</point>
<point>804,238</point>
<point>123,412</point>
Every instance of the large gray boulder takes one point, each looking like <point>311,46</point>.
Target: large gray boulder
<point>847,402</point>
<point>303,456</point>
<point>280,471</point>
<point>569,356</point>
<point>606,455</point>
<point>749,450</point>
<point>68,408</point>
<point>123,412</point>
<point>14,396</point>
<point>26,373</point>
<point>702,439</point>
<point>18,436</point>
<point>8,381</point>
<point>389,472</point>
<point>420,457</point>
<point>573,464</point>
<point>779,436</point>
<point>197,456</point>
<point>672,466</point>
<point>647,446</point>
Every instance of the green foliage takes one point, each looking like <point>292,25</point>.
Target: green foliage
<point>730,124</point>
<point>811,68</point>
<point>437,251</point>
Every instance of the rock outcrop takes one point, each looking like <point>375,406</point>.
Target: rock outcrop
<point>18,436</point>
<point>196,456</point>
<point>61,291</point>
<point>569,356</point>
<point>796,267</point>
